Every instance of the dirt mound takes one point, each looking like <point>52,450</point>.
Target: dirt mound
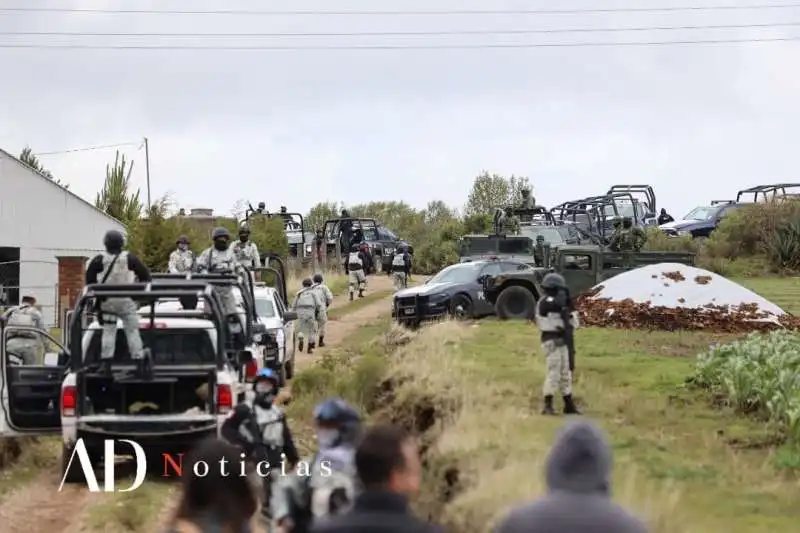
<point>671,297</point>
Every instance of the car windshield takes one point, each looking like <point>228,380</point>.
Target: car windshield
<point>551,235</point>
<point>265,308</point>
<point>701,213</point>
<point>461,273</point>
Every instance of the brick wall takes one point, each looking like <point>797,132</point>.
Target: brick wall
<point>71,276</point>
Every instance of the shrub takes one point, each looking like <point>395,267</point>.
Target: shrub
<point>760,375</point>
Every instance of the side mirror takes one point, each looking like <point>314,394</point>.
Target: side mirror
<point>51,359</point>
<point>288,316</point>
<point>244,357</point>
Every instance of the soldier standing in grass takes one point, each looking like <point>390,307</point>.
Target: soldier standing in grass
<point>552,313</point>
<point>354,266</point>
<point>326,297</point>
<point>401,267</point>
<point>308,307</point>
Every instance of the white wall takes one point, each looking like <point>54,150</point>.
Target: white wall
<point>44,220</point>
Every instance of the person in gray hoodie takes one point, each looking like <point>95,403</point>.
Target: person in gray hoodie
<point>578,499</point>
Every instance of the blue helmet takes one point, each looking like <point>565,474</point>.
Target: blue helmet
<point>335,411</point>
<point>268,374</point>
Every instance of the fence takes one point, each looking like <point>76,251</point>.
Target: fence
<point>38,279</point>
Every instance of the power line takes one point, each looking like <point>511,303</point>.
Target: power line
<point>406,33</point>
<point>583,44</point>
<point>89,148</point>
<point>397,13</point>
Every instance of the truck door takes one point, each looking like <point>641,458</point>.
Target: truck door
<point>579,271</point>
<point>31,393</point>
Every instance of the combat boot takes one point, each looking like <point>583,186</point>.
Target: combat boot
<point>548,405</point>
<point>321,342</point>
<point>144,366</point>
<point>311,347</point>
<point>569,406</point>
<point>360,293</point>
<point>300,345</point>
<point>351,296</point>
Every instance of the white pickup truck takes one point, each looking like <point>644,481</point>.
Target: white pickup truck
<point>193,388</point>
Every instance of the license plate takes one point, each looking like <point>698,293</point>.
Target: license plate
<point>408,311</point>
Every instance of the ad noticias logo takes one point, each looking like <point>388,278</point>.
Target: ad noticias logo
<point>172,466</point>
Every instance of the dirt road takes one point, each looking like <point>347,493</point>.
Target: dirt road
<point>38,506</point>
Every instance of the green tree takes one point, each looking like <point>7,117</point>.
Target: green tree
<point>116,197</point>
<point>316,217</point>
<point>152,237</point>
<point>489,191</point>
<point>29,158</point>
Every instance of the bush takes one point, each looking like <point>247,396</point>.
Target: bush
<point>758,375</point>
<point>768,232</point>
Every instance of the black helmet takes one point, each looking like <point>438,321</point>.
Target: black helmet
<point>220,233</point>
<point>554,281</point>
<point>627,222</point>
<point>525,191</point>
<point>540,238</point>
<point>317,278</point>
<point>508,211</point>
<point>113,240</point>
<point>307,282</point>
<point>283,209</point>
<point>183,239</point>
<point>345,214</point>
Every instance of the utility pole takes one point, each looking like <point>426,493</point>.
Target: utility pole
<point>147,168</point>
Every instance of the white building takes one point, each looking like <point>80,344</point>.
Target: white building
<point>39,222</point>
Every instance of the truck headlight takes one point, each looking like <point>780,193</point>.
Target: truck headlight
<point>684,233</point>
<point>257,338</point>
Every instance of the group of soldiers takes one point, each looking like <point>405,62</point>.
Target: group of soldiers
<point>506,221</point>
<point>627,237</point>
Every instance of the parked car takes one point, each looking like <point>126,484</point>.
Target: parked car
<point>278,354</point>
<point>701,221</point>
<point>455,291</point>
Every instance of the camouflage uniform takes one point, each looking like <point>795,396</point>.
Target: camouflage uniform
<point>123,309</point>
<point>213,261</point>
<point>510,223</point>
<point>26,344</point>
<point>247,254</point>
<point>326,297</point>
<point>308,307</point>
<point>356,278</point>
<point>639,238</point>
<point>181,261</point>
<point>538,251</point>
<point>528,201</point>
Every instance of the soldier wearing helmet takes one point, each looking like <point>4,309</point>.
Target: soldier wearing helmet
<point>220,259</point>
<point>538,251</point>
<point>245,250</point>
<point>326,298</point>
<point>332,485</point>
<point>181,260</point>
<point>119,267</point>
<point>355,265</point>
<point>401,266</point>
<point>554,315</point>
<point>308,306</point>
<point>260,428</point>
<point>528,201</point>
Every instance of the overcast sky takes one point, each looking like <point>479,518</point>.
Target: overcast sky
<point>295,127</point>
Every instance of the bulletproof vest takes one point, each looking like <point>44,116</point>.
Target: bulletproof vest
<point>221,261</point>
<point>244,251</point>
<point>184,260</point>
<point>552,322</point>
<point>119,272</point>
<point>269,422</point>
<point>305,298</point>
<point>355,259</point>
<point>23,315</point>
<point>333,482</point>
<point>399,260</point>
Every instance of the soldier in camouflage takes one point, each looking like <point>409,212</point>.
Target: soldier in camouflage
<point>528,201</point>
<point>637,235</point>
<point>326,297</point>
<point>181,260</point>
<point>510,222</point>
<point>245,250</point>
<point>538,251</point>
<point>220,259</point>
<point>26,344</point>
<point>308,307</point>
<point>119,267</point>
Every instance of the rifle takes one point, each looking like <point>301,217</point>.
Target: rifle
<point>569,330</point>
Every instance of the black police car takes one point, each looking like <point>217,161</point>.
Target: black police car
<point>455,291</point>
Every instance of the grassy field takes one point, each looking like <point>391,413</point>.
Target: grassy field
<point>474,393</point>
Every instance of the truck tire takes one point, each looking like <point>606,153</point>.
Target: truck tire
<point>516,303</point>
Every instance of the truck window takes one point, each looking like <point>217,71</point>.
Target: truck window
<point>577,262</point>
<point>169,347</point>
<point>478,246</point>
<point>515,246</point>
